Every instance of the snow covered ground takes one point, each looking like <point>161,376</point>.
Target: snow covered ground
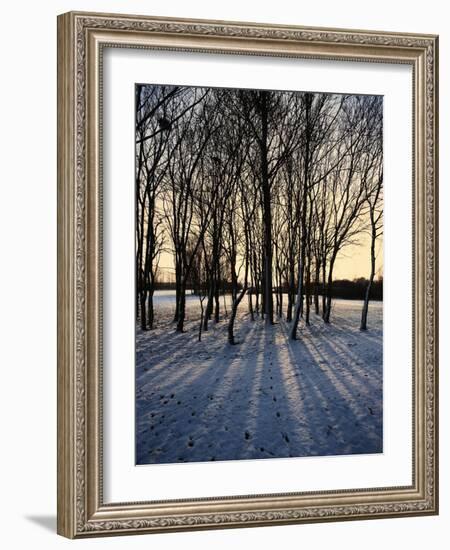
<point>266,397</point>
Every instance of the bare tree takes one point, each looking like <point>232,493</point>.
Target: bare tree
<point>347,185</point>
<point>187,183</point>
<point>225,156</point>
<point>239,218</point>
<point>272,121</point>
<point>152,105</point>
<point>199,280</point>
<point>321,112</point>
<point>373,185</point>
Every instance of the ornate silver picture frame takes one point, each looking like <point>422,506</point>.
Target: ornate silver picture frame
<point>82,510</point>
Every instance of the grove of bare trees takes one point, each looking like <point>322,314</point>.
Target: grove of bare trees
<point>254,193</point>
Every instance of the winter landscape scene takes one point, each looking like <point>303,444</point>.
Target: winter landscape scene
<point>259,262</point>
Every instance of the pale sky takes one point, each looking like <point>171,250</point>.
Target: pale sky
<point>352,262</point>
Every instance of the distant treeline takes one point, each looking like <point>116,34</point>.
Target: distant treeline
<point>342,288</point>
<point>355,290</point>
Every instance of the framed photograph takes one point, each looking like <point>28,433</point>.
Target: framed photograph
<point>247,276</point>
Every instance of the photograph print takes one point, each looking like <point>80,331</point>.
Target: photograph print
<point>258,274</point>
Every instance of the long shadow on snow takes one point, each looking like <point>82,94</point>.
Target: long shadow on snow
<point>338,356</point>
<point>324,396</point>
<point>209,383</point>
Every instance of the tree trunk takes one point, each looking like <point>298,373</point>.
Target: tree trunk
<point>138,291</point>
<point>143,297</point>
<point>263,294</point>
<point>250,305</point>
<point>327,315</point>
<point>308,293</point>
<point>234,309</point>
<point>303,240</point>
<point>291,292</point>
<point>217,303</point>
<point>298,302</point>
<point>225,304</point>
<point>177,292</point>
<point>181,308</point>
<point>209,306</point>
<point>201,320</point>
<point>255,280</point>
<point>365,309</point>
<point>277,302</point>
<point>369,284</point>
<point>324,287</point>
<point>151,314</point>
<point>280,310</point>
<point>267,213</point>
<point>316,288</point>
